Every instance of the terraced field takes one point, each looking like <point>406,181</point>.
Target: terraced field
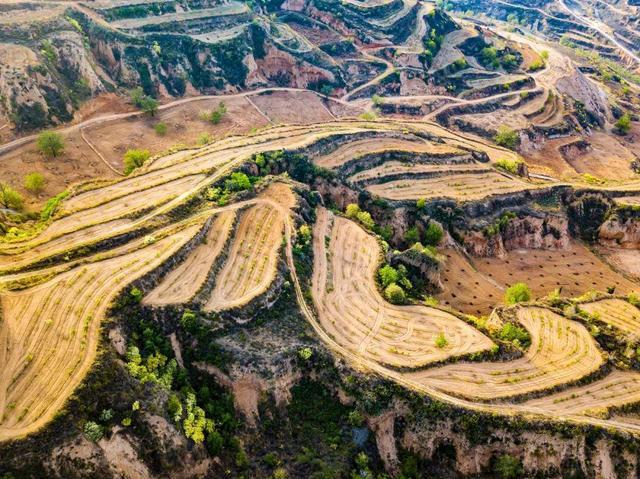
<point>616,389</point>
<point>49,332</point>
<point>561,351</point>
<point>352,311</point>
<point>616,312</point>
<point>252,261</point>
<point>182,283</point>
<point>459,186</point>
<point>128,224</point>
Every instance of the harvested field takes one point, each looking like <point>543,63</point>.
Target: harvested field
<point>182,283</point>
<point>230,8</point>
<point>121,207</point>
<point>561,351</point>
<point>353,313</point>
<point>53,328</point>
<point>461,187</point>
<point>627,261</point>
<point>289,107</point>
<point>252,262</point>
<point>575,270</point>
<point>616,389</point>
<point>617,313</point>
<point>398,169</point>
<point>358,148</point>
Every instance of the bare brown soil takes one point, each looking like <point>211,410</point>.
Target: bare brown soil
<point>465,288</point>
<point>575,270</point>
<point>293,107</point>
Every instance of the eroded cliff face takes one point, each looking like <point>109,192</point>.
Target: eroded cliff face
<point>45,83</point>
<point>548,232</point>
<point>620,233</point>
<point>540,453</point>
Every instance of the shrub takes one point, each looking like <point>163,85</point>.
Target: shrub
<point>215,443</point>
<point>50,144</point>
<point>160,128</point>
<point>508,467</point>
<point>511,166</point>
<point>441,341</point>
<point>412,235</point>
<point>388,274</point>
<point>368,116</point>
<point>394,294</point>
<point>238,182</point>
<point>433,234</point>
<point>204,139</point>
<point>421,203</point>
<point>136,294</point>
<point>215,116</point>
<point>634,299</point>
<point>510,332</point>
<point>10,198</point>
<point>623,125</point>
<point>355,418</point>
<point>93,431</point>
<point>517,293</point>
<point>280,473</point>
<point>507,137</point>
<point>34,182</point>
<point>305,353</point>
<point>135,159</point>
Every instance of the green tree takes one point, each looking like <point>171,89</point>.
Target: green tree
<point>135,159</point>
<point>93,431</point>
<point>352,211</point>
<point>394,294</point>
<point>623,125</point>
<point>507,137</point>
<point>421,203</point>
<point>433,234</point>
<point>364,217</point>
<point>508,467</point>
<point>34,182</point>
<point>517,293</point>
<point>388,274</point>
<point>137,95</point>
<point>188,320</point>
<point>50,144</point>
<point>238,182</point>
<point>149,106</point>
<point>10,198</point>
